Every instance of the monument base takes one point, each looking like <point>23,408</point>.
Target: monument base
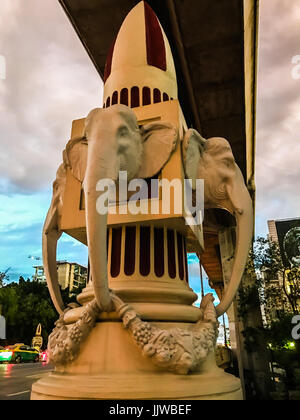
<point>111,367</point>
<point>163,386</point>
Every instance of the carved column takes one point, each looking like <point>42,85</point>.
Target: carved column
<point>147,267</point>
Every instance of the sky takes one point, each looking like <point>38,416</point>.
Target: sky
<point>278,113</point>
<point>47,80</point>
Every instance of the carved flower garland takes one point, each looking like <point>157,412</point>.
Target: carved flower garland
<point>177,350</point>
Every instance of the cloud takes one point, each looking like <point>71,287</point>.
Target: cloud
<point>194,279</point>
<point>50,81</point>
<point>278,114</point>
<point>21,222</point>
<point>18,243</point>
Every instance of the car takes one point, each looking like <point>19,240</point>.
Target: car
<point>19,353</point>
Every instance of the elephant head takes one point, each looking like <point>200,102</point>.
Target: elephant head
<point>212,160</point>
<point>113,142</point>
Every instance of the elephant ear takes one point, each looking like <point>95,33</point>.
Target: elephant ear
<point>193,146</point>
<point>75,157</point>
<point>159,142</point>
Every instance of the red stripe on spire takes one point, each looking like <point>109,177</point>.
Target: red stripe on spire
<point>108,63</point>
<point>156,51</point>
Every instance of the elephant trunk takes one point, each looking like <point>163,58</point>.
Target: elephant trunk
<point>102,164</point>
<point>242,205</point>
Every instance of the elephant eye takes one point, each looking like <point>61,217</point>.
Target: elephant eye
<point>123,131</point>
<point>229,161</point>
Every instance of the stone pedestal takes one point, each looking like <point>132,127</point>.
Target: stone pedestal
<point>110,367</point>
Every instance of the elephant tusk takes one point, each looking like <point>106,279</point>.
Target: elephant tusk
<point>244,238</point>
<point>50,238</point>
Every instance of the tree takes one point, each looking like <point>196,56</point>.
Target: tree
<point>25,305</point>
<point>279,285</point>
<point>267,285</point>
<point>3,277</point>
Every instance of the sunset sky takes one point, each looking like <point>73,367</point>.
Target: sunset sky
<point>51,81</point>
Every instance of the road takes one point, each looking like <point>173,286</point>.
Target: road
<point>16,380</point>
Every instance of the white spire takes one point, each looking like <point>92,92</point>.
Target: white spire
<point>140,58</point>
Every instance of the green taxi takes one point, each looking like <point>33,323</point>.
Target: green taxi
<point>19,353</point>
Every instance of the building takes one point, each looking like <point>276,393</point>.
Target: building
<point>70,275</point>
<point>275,300</point>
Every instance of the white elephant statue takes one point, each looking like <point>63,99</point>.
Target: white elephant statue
<point>212,160</point>
<point>114,142</point>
